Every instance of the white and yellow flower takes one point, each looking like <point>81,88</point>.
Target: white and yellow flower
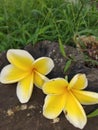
<point>68,97</point>
<point>26,71</point>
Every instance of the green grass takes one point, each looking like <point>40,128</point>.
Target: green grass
<point>30,21</point>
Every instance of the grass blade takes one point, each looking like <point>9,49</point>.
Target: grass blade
<point>93,114</point>
<point>67,66</point>
<point>62,48</point>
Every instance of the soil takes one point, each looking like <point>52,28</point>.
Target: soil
<point>17,116</point>
<point>89,46</point>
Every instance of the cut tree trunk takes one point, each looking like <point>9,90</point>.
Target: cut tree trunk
<point>17,116</point>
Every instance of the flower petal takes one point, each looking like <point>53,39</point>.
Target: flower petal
<point>25,88</point>
<point>55,86</point>
<point>20,58</point>
<point>74,112</point>
<point>79,81</point>
<point>86,97</point>
<point>11,74</point>
<point>44,65</point>
<point>39,79</point>
<point>53,106</point>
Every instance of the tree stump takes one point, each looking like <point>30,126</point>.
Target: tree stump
<point>17,116</point>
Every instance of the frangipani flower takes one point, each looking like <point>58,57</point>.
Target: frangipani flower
<point>26,71</point>
<point>68,97</point>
